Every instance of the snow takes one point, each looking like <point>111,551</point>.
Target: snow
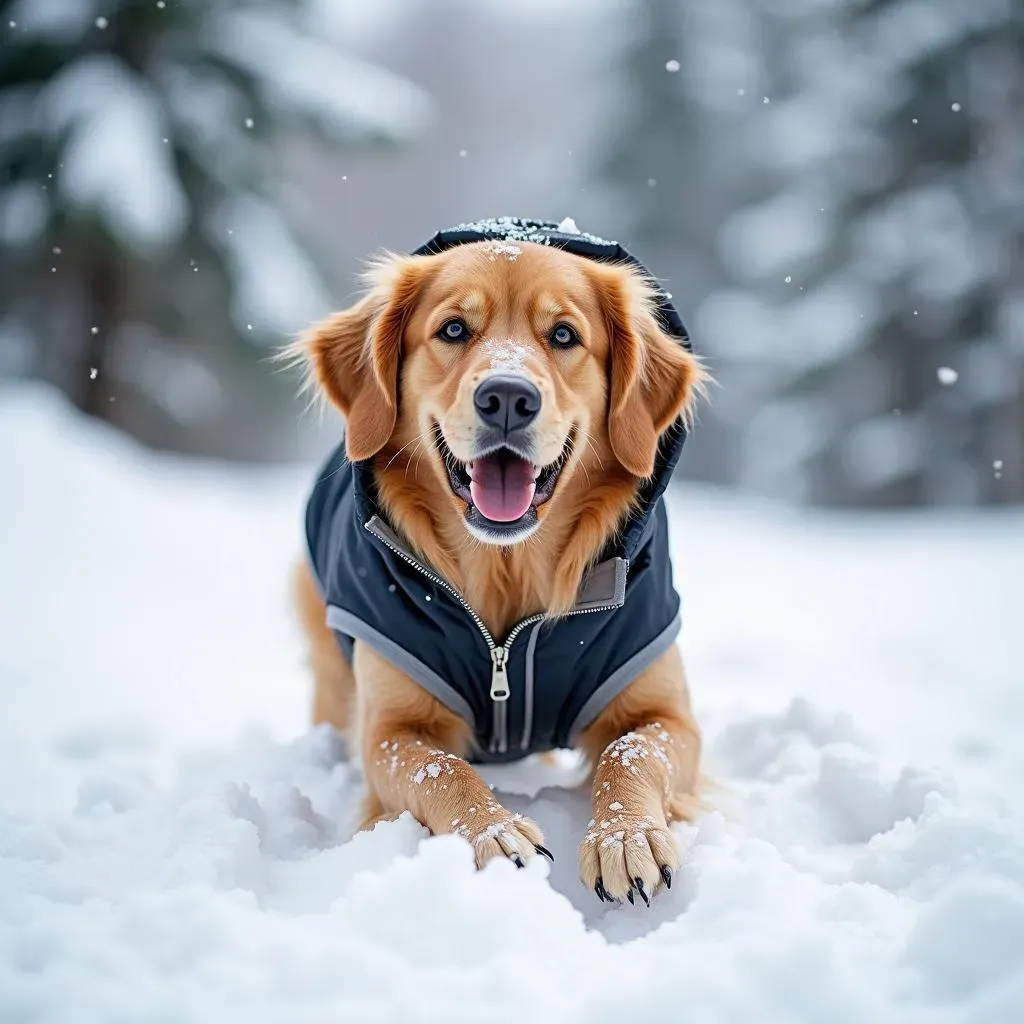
<point>303,75</point>
<point>507,249</point>
<point>518,229</point>
<point>23,210</point>
<point>276,284</point>
<point>509,355</point>
<point>58,21</point>
<point>947,375</point>
<point>760,240</point>
<point>115,162</point>
<point>882,449</point>
<point>175,844</point>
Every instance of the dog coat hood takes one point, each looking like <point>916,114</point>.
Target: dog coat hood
<point>538,687</point>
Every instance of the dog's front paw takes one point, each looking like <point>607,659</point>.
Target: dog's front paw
<point>494,832</point>
<point>624,855</point>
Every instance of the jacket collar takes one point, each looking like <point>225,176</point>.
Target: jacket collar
<point>603,587</point>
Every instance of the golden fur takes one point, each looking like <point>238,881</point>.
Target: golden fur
<point>381,365</point>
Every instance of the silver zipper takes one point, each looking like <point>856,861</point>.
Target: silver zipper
<point>499,654</point>
<point>499,673</point>
<point>499,658</point>
<point>500,689</point>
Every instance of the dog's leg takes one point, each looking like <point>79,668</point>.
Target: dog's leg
<point>334,689</point>
<point>412,748</point>
<point>646,750</point>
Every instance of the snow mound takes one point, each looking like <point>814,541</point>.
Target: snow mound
<point>175,845</point>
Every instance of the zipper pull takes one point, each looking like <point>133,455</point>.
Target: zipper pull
<point>499,674</point>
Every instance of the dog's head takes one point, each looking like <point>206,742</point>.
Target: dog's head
<point>519,371</point>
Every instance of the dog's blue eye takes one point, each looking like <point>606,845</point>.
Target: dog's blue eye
<point>563,336</point>
<point>454,330</point>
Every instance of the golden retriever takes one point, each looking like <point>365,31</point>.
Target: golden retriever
<point>508,399</point>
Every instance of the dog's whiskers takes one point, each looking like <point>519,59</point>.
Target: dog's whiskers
<point>435,444</point>
<point>572,445</point>
<point>417,438</point>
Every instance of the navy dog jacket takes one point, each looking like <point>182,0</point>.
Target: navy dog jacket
<point>538,687</point>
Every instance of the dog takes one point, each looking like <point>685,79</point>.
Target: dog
<point>488,571</point>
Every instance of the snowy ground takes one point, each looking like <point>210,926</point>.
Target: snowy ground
<point>175,846</point>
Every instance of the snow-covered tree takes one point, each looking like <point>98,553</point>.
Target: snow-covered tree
<point>148,238</point>
<point>651,162</point>
<point>878,324</point>
<point>671,167</point>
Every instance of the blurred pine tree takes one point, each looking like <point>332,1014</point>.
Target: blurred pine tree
<point>882,285</point>
<point>658,168</point>
<point>651,154</point>
<point>151,251</point>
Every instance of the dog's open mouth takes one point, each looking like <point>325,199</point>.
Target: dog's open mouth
<point>502,486</point>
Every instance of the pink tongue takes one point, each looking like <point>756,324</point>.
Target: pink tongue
<point>501,486</point>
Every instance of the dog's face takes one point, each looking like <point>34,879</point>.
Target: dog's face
<point>515,369</point>
<point>504,377</point>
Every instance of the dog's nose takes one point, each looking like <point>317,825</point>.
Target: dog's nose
<point>507,403</point>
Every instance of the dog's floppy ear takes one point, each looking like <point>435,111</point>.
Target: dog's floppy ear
<point>354,355</point>
<point>653,379</point>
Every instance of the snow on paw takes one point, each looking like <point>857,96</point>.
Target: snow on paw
<point>627,857</point>
<point>494,832</point>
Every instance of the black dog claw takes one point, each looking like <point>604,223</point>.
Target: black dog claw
<point>629,896</point>
<point>640,889</point>
<point>601,894</point>
<point>517,860</point>
<point>544,851</point>
<point>666,873</point>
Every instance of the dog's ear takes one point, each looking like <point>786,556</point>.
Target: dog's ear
<point>653,380</point>
<point>354,355</point>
